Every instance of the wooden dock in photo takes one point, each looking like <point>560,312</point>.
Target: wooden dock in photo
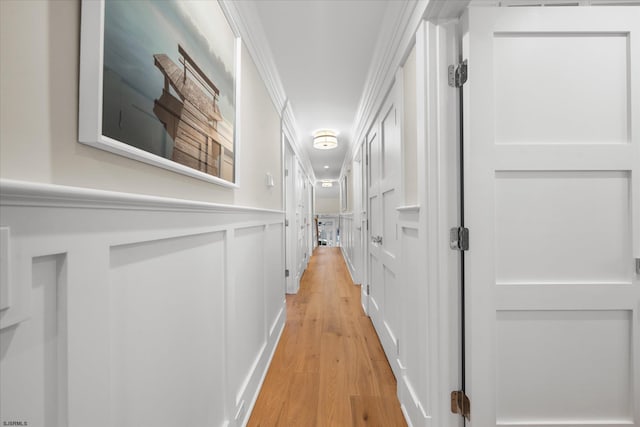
<point>203,140</point>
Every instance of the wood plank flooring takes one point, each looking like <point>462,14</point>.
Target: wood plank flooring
<point>329,369</point>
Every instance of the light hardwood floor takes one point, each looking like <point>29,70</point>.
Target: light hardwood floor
<point>329,369</point>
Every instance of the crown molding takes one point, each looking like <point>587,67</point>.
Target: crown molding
<point>445,10</point>
<point>245,22</point>
<point>396,38</point>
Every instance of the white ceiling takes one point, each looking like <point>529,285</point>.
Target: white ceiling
<point>322,50</point>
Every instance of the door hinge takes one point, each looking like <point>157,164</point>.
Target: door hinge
<point>286,222</point>
<point>638,265</point>
<point>458,74</point>
<point>368,289</point>
<point>286,172</point>
<point>286,273</point>
<point>460,404</point>
<point>459,238</point>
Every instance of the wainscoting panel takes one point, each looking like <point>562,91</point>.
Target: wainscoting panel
<point>30,354</point>
<point>247,348</point>
<point>165,315</point>
<point>349,236</point>
<point>414,357</point>
<point>129,310</point>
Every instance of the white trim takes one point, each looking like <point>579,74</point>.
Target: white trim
<point>245,21</point>
<point>390,56</point>
<point>444,10</point>
<point>22,193</point>
<point>290,128</point>
<point>393,45</point>
<point>81,227</point>
<point>408,209</point>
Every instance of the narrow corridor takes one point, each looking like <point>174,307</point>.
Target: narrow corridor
<point>329,368</point>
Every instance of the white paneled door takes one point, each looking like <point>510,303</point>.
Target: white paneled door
<point>384,187</point>
<point>552,202</point>
<point>291,216</point>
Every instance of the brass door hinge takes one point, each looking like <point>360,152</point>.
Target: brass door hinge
<point>460,404</point>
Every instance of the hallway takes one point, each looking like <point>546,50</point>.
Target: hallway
<point>329,368</point>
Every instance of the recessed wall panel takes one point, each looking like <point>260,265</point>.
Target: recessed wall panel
<point>390,221</point>
<point>167,336</point>
<point>390,145</point>
<point>376,281</point>
<point>414,320</point>
<point>563,227</point>
<point>391,301</point>
<point>274,277</point>
<point>29,354</point>
<point>561,88</point>
<point>249,324</point>
<point>564,367</point>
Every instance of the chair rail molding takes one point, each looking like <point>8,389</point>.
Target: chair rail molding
<point>168,310</point>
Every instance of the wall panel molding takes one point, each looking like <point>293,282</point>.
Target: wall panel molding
<point>392,49</point>
<point>348,241</point>
<point>22,193</point>
<point>150,299</point>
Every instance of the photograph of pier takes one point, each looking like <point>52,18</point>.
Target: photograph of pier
<point>169,82</point>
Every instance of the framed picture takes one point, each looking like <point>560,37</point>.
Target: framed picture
<point>159,83</point>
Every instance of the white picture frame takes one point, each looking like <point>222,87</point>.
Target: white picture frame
<point>91,99</point>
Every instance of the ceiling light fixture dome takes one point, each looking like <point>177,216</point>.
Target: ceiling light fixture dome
<point>325,139</point>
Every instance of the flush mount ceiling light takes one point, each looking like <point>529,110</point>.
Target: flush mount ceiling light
<point>326,184</point>
<point>325,140</point>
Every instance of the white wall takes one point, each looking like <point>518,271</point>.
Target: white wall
<point>130,311</point>
<point>128,307</point>
<point>39,61</point>
<point>327,199</point>
<point>327,205</point>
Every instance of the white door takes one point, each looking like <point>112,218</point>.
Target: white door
<point>290,215</point>
<point>300,222</point>
<point>357,229</point>
<point>384,172</point>
<point>364,223</point>
<point>552,203</point>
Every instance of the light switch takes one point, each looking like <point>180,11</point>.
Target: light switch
<point>269,180</point>
<point>5,294</point>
